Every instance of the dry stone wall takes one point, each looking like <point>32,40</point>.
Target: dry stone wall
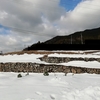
<point>66,59</point>
<point>40,68</point>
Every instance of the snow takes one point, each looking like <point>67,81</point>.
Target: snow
<point>96,53</point>
<point>56,86</point>
<point>89,64</point>
<point>34,59</point>
<point>21,58</point>
<point>35,86</point>
<point>74,55</point>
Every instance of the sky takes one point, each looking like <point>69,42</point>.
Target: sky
<point>25,22</point>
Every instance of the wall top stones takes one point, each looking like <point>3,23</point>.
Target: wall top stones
<point>65,59</point>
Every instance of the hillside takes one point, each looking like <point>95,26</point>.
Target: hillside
<point>77,39</point>
<point>93,34</point>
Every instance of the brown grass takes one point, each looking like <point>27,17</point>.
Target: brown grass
<point>49,52</point>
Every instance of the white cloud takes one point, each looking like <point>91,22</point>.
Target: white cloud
<point>86,15</point>
<point>27,39</point>
<point>3,15</point>
<point>11,41</point>
<point>40,20</point>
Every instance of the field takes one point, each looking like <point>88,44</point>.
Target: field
<point>56,86</point>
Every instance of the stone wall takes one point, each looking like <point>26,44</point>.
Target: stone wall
<point>66,59</point>
<point>40,68</point>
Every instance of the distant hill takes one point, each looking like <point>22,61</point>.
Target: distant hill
<point>76,38</point>
<point>90,37</point>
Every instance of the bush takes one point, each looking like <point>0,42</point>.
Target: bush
<point>19,75</point>
<point>46,74</point>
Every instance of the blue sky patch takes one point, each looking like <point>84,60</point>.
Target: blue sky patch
<point>69,4</point>
<point>4,30</point>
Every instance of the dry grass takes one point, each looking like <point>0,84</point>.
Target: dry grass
<point>50,52</point>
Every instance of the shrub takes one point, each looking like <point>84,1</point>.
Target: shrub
<point>19,75</point>
<point>46,73</point>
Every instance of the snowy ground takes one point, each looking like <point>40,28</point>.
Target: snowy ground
<point>34,58</point>
<point>56,86</point>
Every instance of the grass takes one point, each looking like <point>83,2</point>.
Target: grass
<point>49,52</point>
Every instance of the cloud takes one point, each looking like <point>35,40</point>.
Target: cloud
<point>24,19</point>
<point>11,41</point>
<point>30,21</point>
<point>84,16</point>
